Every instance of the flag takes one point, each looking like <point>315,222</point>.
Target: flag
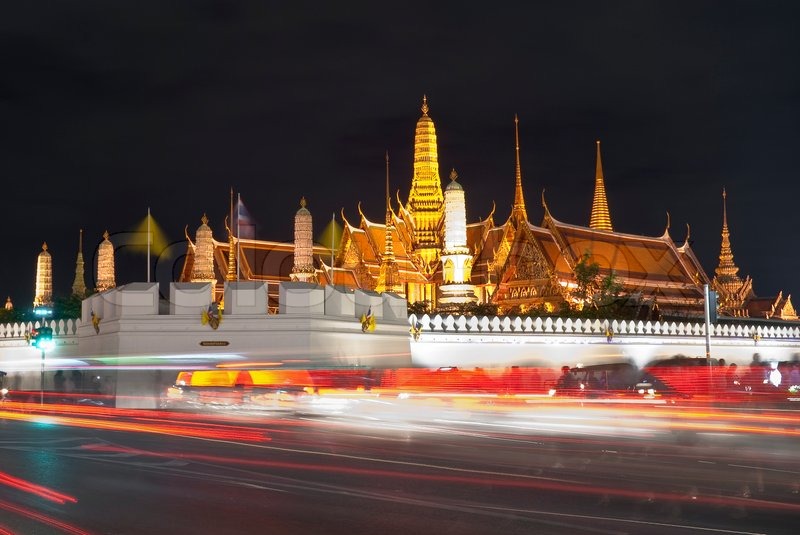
<point>138,238</point>
<point>244,225</point>
<point>368,321</point>
<point>331,235</point>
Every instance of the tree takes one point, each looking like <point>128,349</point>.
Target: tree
<point>586,274</point>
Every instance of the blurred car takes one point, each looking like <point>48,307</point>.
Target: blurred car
<point>611,381</point>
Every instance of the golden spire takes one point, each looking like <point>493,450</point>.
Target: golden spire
<point>727,270</point>
<point>518,211</point>
<point>601,219</point>
<point>79,284</point>
<point>733,290</point>
<point>389,275</point>
<point>426,200</point>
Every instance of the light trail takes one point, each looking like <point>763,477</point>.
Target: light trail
<point>33,488</point>
<point>42,518</point>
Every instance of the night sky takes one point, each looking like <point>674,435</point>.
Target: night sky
<point>108,108</point>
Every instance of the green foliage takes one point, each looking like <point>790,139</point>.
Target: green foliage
<point>67,307</point>
<point>586,274</point>
<point>419,308</point>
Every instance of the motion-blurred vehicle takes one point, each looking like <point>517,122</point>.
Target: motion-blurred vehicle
<point>274,389</point>
<point>614,381</point>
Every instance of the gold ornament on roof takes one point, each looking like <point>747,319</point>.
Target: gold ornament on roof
<point>424,105</point>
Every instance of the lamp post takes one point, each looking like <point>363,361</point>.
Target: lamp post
<point>44,341</point>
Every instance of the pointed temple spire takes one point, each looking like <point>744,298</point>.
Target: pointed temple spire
<point>518,212</point>
<point>79,284</point>
<point>733,290</point>
<point>727,271</point>
<point>601,219</point>
<point>44,279</point>
<point>425,200</point>
<point>389,275</point>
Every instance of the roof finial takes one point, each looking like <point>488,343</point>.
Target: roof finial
<point>44,246</point>
<point>453,174</point>
<point>302,202</point>
<point>724,208</point>
<point>425,105</point>
<point>204,219</point>
<point>80,241</point>
<point>105,234</point>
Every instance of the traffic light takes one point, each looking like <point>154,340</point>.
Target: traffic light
<point>712,307</point>
<point>42,338</point>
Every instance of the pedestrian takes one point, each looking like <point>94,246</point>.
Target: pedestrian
<point>58,381</point>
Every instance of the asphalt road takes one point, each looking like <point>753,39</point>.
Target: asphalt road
<point>444,470</point>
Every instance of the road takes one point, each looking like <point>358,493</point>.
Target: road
<point>376,466</point>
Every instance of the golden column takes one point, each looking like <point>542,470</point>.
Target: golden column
<point>105,265</point>
<point>303,269</point>
<point>43,295</point>
<point>425,200</point>
<point>203,268</point>
<point>601,219</point>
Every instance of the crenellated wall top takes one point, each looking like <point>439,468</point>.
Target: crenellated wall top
<point>597,327</point>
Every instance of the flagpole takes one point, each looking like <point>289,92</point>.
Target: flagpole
<point>238,235</point>
<point>148,244</point>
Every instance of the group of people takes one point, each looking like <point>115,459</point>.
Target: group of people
<point>761,376</point>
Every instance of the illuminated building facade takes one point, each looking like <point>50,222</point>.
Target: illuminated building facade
<point>516,265</point>
<point>43,294</point>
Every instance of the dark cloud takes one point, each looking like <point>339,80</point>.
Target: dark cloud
<point>111,107</point>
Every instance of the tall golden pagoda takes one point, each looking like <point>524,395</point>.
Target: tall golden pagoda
<point>425,200</point>
<point>389,275</point>
<point>601,219</point>
<point>79,284</point>
<point>733,291</point>
<point>44,279</point>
